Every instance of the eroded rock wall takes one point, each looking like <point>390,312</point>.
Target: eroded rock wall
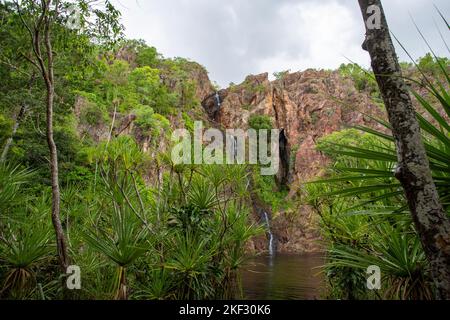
<point>306,106</point>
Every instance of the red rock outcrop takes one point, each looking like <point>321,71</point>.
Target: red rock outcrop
<point>307,106</point>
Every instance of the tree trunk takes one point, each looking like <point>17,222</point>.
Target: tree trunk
<point>43,25</point>
<point>56,194</point>
<point>19,118</point>
<point>13,133</point>
<point>413,169</point>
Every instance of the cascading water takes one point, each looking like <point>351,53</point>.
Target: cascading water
<point>269,232</point>
<point>218,103</point>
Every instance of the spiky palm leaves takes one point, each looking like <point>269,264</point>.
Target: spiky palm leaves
<point>11,179</point>
<point>364,186</point>
<point>215,219</point>
<point>25,233</point>
<point>23,246</point>
<point>123,233</point>
<point>399,256</point>
<point>191,233</point>
<point>122,243</point>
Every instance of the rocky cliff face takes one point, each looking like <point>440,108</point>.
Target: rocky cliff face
<point>306,106</point>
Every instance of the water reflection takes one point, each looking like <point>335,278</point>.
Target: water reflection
<point>283,277</point>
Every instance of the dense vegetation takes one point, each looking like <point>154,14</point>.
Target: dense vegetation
<point>364,217</point>
<point>136,225</point>
<point>140,227</point>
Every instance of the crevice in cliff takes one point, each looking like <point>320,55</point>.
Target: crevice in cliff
<point>283,173</point>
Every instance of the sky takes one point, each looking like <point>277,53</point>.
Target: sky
<point>235,38</point>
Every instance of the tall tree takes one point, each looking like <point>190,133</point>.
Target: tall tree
<point>43,20</point>
<point>40,35</point>
<point>413,170</point>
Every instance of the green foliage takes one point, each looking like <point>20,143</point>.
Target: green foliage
<point>432,65</point>
<point>94,114</point>
<point>184,241</point>
<point>363,209</point>
<point>12,178</point>
<point>123,88</point>
<point>364,80</point>
<point>144,80</point>
<point>188,122</point>
<point>254,88</point>
<point>24,244</point>
<point>268,192</point>
<point>123,242</point>
<point>182,238</point>
<point>180,73</point>
<point>148,56</point>
<point>281,75</point>
<point>76,68</point>
<point>191,264</point>
<point>189,95</point>
<point>5,129</point>
<point>152,124</point>
<point>402,262</point>
<point>260,122</point>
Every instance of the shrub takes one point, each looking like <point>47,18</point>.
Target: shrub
<point>260,122</point>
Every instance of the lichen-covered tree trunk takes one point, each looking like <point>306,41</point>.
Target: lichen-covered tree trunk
<point>413,169</point>
<point>13,133</point>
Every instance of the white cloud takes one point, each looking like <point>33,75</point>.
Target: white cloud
<point>329,32</point>
<point>237,37</point>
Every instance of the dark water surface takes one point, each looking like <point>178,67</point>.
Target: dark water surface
<point>283,277</point>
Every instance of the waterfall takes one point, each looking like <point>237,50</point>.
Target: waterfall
<point>218,103</point>
<point>269,231</point>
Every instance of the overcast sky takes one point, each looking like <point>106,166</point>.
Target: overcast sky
<point>234,38</point>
